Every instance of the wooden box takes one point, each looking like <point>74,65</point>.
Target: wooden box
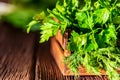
<point>59,52</point>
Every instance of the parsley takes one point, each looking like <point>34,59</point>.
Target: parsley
<point>94,26</point>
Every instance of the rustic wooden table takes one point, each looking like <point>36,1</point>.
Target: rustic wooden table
<point>23,58</point>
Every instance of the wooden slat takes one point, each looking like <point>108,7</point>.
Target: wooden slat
<point>16,54</point>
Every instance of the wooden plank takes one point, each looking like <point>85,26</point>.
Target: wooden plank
<point>46,68</point>
<point>16,54</point>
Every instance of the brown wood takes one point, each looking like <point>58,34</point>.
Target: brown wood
<point>62,41</point>
<point>59,38</point>
<point>16,54</point>
<point>46,68</point>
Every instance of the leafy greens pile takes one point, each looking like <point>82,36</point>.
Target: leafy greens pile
<point>95,26</point>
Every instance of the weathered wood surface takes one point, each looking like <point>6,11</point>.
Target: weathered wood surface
<point>16,54</point>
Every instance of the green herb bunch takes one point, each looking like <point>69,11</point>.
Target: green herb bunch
<point>95,26</point>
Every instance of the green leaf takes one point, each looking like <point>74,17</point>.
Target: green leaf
<point>40,17</point>
<point>116,20</point>
<point>56,14</point>
<point>110,35</point>
<point>97,4</point>
<point>91,44</point>
<point>85,19</point>
<point>104,3</point>
<point>77,42</point>
<point>60,8</point>
<point>118,4</point>
<point>48,30</point>
<point>30,25</point>
<point>101,16</point>
<point>82,19</point>
<point>74,4</point>
<point>63,27</point>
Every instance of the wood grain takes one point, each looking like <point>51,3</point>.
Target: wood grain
<point>16,54</point>
<point>46,68</point>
